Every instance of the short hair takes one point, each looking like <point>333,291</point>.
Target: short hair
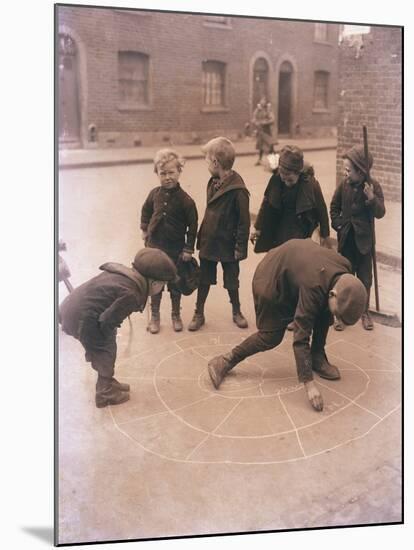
<point>222,150</point>
<point>166,155</point>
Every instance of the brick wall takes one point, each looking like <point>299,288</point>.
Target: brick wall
<point>370,93</point>
<point>177,44</point>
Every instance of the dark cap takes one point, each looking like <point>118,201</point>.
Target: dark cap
<point>351,298</point>
<point>291,158</point>
<point>153,263</point>
<point>357,156</point>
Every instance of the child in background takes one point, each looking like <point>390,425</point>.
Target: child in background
<point>354,205</point>
<point>169,222</point>
<point>224,232</point>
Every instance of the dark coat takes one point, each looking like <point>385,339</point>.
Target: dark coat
<point>170,218</point>
<point>292,282</point>
<point>350,208</point>
<point>226,223</point>
<point>311,210</point>
<point>100,305</point>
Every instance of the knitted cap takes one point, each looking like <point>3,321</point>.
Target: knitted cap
<point>357,156</point>
<point>291,158</point>
<point>153,263</point>
<point>351,298</point>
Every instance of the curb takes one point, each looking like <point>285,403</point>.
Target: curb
<point>147,160</point>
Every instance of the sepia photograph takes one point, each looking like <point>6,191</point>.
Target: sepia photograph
<point>228,273</point>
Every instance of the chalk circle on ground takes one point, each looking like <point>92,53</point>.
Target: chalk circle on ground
<point>260,414</point>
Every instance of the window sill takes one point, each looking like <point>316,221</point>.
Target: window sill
<point>320,111</point>
<point>323,42</point>
<point>131,107</point>
<point>215,109</point>
<point>223,26</point>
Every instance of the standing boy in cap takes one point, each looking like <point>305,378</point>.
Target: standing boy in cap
<point>303,281</point>
<point>92,312</point>
<point>354,206</point>
<point>293,204</point>
<point>169,222</point>
<point>224,231</point>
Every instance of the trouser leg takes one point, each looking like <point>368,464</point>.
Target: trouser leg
<point>257,342</point>
<point>175,310</point>
<point>202,294</point>
<point>154,324</point>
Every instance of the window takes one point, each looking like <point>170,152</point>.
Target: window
<point>133,79</point>
<point>214,73</point>
<point>321,32</point>
<point>320,95</point>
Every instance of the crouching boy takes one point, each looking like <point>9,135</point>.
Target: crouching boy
<point>304,282</point>
<point>94,310</point>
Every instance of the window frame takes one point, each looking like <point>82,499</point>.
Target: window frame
<point>135,105</point>
<point>214,107</point>
<point>325,108</point>
<point>316,37</point>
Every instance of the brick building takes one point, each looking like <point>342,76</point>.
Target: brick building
<point>127,78</point>
<point>370,94</point>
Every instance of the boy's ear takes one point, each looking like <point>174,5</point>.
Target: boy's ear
<point>332,292</point>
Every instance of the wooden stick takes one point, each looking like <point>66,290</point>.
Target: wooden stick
<point>374,253</point>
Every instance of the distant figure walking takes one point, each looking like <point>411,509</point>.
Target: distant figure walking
<point>263,119</point>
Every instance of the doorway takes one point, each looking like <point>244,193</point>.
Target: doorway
<point>285,98</point>
<point>68,92</point>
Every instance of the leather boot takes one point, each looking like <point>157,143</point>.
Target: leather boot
<point>366,320</point>
<point>321,366</point>
<point>218,368</point>
<point>238,317</point>
<point>154,324</point>
<point>175,312</point>
<point>197,321</point>
<point>108,394</point>
<point>119,385</point>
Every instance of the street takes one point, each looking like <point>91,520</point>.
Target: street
<point>183,459</point>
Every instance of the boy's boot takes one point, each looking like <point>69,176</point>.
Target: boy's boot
<point>108,394</point>
<point>321,366</point>
<point>366,318</point>
<point>219,367</point>
<point>175,311</point>
<point>198,319</point>
<point>238,317</point>
<point>119,385</point>
<point>154,324</point>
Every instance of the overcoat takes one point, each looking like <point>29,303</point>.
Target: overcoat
<point>311,210</point>
<point>97,307</point>
<point>170,218</point>
<point>292,282</point>
<point>226,223</point>
<point>350,208</point>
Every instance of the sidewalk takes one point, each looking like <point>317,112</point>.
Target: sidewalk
<point>388,230</point>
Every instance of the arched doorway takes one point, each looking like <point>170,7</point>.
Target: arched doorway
<point>285,98</point>
<point>68,91</point>
<point>260,81</point>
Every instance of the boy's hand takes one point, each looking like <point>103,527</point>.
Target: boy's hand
<point>369,191</point>
<point>238,255</point>
<point>254,235</point>
<point>186,256</point>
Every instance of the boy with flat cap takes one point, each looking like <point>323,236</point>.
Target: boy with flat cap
<point>94,310</point>
<point>354,206</point>
<point>293,205</point>
<point>303,281</point>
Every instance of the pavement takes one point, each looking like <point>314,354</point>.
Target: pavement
<point>181,458</point>
<point>388,235</point>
